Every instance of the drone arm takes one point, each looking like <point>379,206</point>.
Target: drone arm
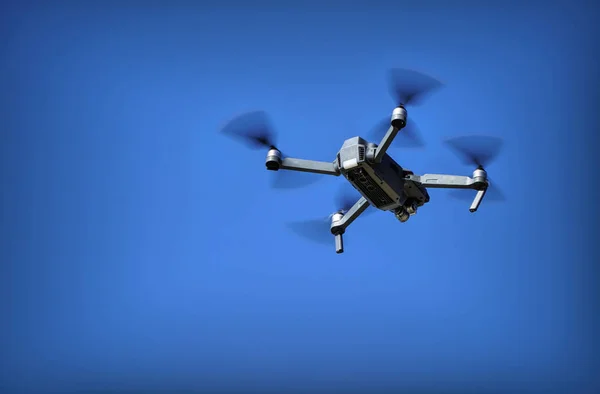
<point>397,123</point>
<point>357,209</point>
<point>385,143</point>
<point>442,181</point>
<point>317,167</point>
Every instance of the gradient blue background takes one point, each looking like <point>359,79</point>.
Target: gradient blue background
<point>142,250</point>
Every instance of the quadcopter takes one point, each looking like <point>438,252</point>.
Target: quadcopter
<point>366,165</point>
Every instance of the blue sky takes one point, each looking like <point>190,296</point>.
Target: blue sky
<point>143,250</point>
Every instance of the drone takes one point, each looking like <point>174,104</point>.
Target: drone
<point>381,182</point>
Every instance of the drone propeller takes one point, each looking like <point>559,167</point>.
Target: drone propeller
<point>479,151</point>
<point>315,230</point>
<point>318,230</point>
<point>409,137</point>
<point>292,179</point>
<point>409,87</point>
<point>254,129</point>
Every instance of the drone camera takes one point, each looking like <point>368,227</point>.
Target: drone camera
<point>273,159</point>
<point>411,207</point>
<point>398,117</point>
<point>402,214</point>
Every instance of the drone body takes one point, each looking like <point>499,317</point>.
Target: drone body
<point>381,182</point>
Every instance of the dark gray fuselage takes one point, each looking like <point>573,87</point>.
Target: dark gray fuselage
<point>382,184</point>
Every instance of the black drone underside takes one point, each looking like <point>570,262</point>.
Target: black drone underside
<point>408,88</point>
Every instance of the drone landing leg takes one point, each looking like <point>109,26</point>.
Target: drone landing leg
<point>340,222</point>
<point>339,243</point>
<point>477,200</point>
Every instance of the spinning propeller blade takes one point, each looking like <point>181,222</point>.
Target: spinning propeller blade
<point>292,179</point>
<point>408,137</point>
<point>255,130</point>
<point>479,151</point>
<point>318,230</point>
<point>409,87</point>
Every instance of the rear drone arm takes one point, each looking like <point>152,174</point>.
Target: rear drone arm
<point>317,167</point>
<point>275,162</point>
<point>441,181</point>
<point>340,221</point>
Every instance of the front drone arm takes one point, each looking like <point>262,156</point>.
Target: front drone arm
<point>441,181</point>
<point>385,143</point>
<point>340,222</point>
<point>397,122</point>
<point>275,162</point>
